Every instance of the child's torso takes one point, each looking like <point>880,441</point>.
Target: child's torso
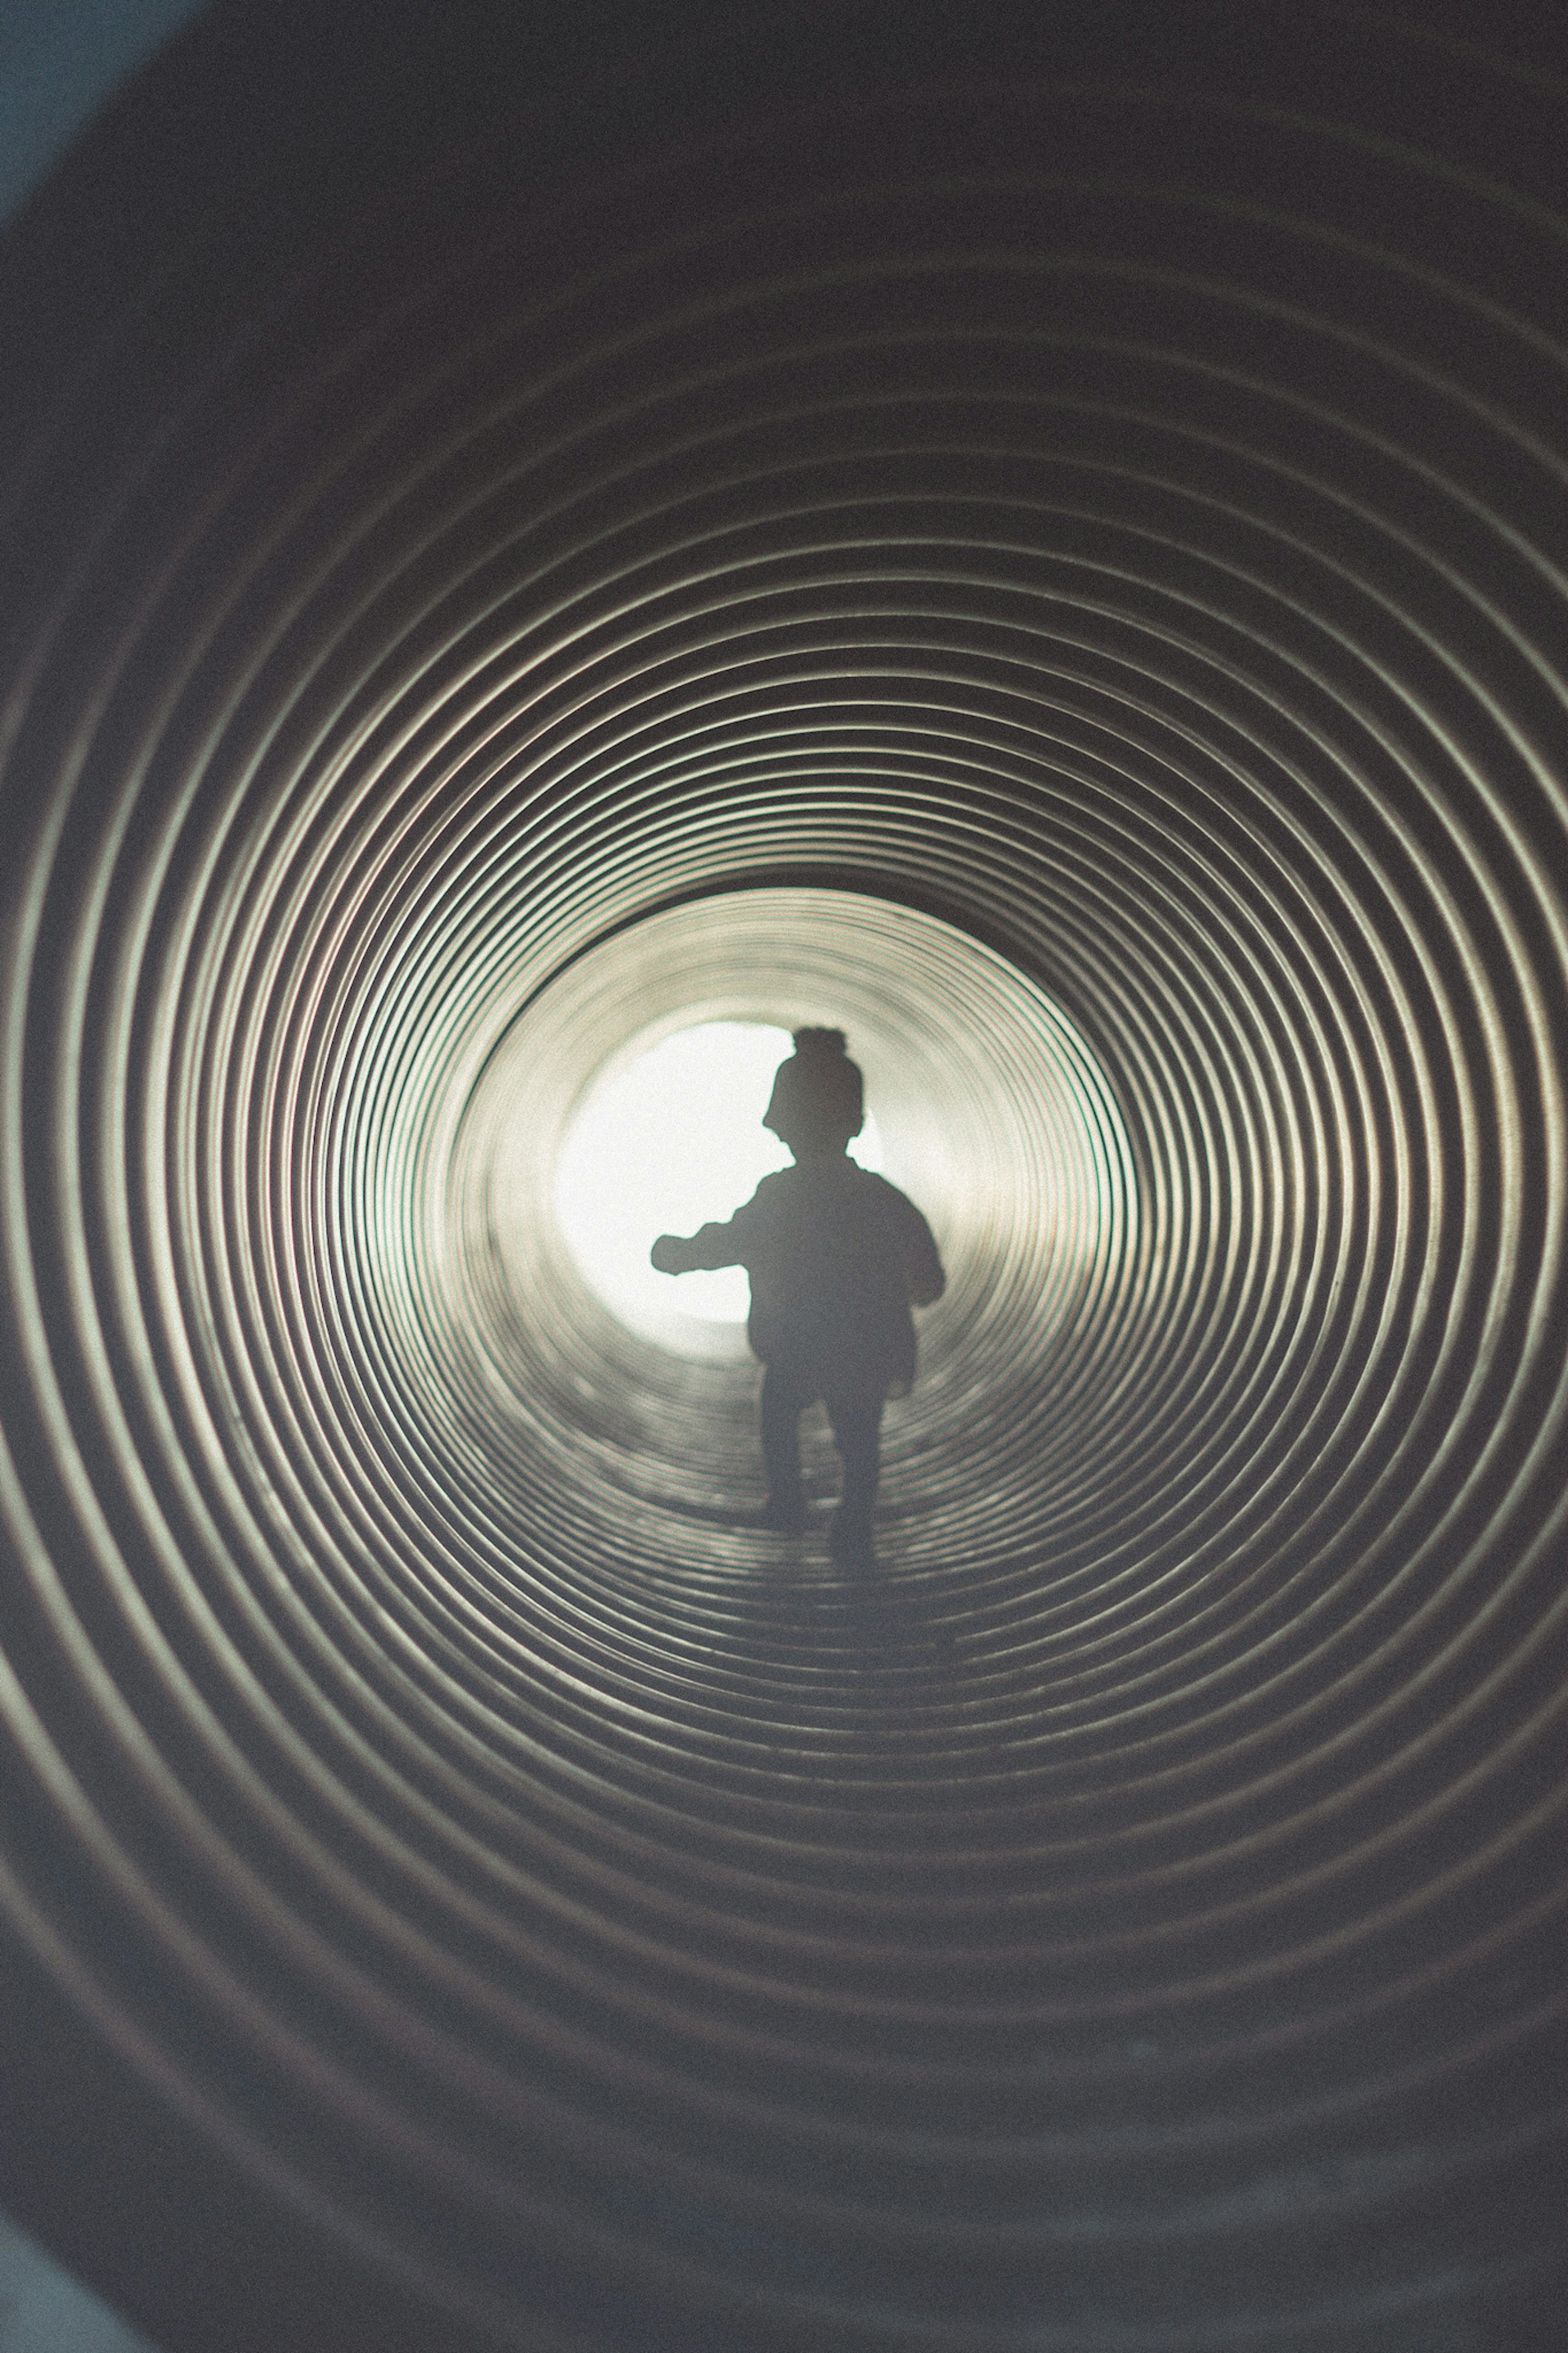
<point>827,1271</point>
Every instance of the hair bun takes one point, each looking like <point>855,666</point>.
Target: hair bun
<point>820,1041</point>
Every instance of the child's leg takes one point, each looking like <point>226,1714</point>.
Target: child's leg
<point>783,1400</point>
<point>857,1419</point>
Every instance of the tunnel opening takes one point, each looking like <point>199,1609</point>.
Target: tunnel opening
<point>991,1110</point>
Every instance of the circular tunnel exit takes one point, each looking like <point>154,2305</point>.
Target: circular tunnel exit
<point>1045,554</point>
<point>989,1109</point>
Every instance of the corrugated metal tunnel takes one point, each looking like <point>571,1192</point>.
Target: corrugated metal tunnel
<point>1040,541</point>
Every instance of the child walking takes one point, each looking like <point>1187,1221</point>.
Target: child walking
<point>835,1257</point>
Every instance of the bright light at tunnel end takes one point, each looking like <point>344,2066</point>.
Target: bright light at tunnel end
<point>670,1136</point>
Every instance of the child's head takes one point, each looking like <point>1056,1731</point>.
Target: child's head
<point>818,1098</point>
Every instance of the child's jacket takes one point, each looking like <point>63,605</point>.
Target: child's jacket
<point>835,1255</point>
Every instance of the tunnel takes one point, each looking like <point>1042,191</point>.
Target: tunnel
<point>1037,536</point>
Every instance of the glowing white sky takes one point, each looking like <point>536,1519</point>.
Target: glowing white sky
<point>663,1142</point>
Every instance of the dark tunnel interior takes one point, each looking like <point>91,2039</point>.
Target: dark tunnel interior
<point>1037,535</point>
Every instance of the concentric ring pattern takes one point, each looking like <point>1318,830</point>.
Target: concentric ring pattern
<point>1046,546</point>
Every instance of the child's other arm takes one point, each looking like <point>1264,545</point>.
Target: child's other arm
<point>923,1273</point>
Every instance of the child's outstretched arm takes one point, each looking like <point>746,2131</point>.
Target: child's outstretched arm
<point>710,1246</point>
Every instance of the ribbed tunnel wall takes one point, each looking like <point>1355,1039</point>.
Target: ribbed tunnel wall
<point>1041,541</point>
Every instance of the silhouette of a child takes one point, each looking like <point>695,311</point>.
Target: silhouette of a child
<point>836,1255</point>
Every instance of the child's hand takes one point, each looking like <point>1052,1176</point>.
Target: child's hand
<point>669,1255</point>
